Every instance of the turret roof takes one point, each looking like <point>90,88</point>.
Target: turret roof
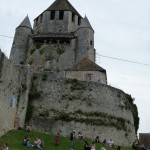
<point>85,23</point>
<point>86,65</point>
<point>62,5</point>
<point>25,23</point>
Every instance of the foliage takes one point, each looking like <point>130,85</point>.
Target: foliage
<point>60,50</point>
<point>44,114</point>
<point>32,50</point>
<point>75,84</point>
<point>90,119</point>
<point>31,61</point>
<point>18,136</point>
<point>44,77</point>
<point>38,45</point>
<point>29,113</point>
<point>133,108</point>
<point>34,92</point>
<point>42,51</point>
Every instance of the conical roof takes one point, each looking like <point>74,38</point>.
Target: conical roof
<point>25,23</point>
<point>85,23</point>
<point>62,5</point>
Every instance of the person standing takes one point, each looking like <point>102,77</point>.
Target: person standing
<point>57,139</point>
<point>72,138</point>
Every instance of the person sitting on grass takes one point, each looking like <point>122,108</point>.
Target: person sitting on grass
<point>86,146</point>
<point>25,140</point>
<point>103,148</point>
<point>93,146</point>
<point>111,143</point>
<point>97,140</point>
<point>5,146</point>
<point>29,145</point>
<point>28,128</point>
<point>38,143</point>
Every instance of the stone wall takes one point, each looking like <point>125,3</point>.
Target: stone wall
<point>13,95</point>
<point>96,76</point>
<point>93,108</point>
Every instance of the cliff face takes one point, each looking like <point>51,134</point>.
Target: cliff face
<point>60,105</point>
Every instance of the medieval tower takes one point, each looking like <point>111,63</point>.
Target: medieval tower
<point>55,84</point>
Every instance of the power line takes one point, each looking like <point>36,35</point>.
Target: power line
<point>135,62</point>
<point>6,36</point>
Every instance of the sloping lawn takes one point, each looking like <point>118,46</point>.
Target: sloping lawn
<point>15,138</point>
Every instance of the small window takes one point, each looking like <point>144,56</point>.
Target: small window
<point>79,20</point>
<point>41,18</point>
<point>36,22</point>
<point>73,17</point>
<point>91,42</point>
<point>88,77</point>
<point>52,17</point>
<point>61,15</point>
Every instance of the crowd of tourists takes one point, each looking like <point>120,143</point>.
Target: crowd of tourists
<point>38,143</point>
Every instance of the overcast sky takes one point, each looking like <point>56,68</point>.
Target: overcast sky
<point>122,30</point>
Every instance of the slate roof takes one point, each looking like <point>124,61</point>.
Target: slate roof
<point>26,23</point>
<point>85,23</point>
<point>63,5</point>
<point>86,65</point>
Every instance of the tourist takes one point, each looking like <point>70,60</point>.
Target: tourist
<point>97,140</point>
<point>57,139</point>
<point>86,146</point>
<point>80,136</point>
<point>29,145</point>
<point>72,138</point>
<point>5,146</point>
<point>111,143</point>
<point>28,128</point>
<point>103,148</point>
<point>104,142</point>
<point>25,140</point>
<point>93,146</point>
<point>38,143</point>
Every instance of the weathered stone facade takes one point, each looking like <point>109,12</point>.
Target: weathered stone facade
<point>14,83</point>
<point>52,81</point>
<point>93,108</point>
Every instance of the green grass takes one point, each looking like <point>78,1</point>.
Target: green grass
<point>15,138</point>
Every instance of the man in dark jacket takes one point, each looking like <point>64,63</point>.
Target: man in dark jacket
<point>72,138</point>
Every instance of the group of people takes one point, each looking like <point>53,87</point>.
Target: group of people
<point>87,146</point>
<point>37,143</point>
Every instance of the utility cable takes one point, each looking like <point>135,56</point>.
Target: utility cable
<point>6,36</point>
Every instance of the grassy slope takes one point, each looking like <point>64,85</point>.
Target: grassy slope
<point>15,138</point>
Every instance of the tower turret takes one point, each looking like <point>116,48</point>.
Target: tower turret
<point>85,41</point>
<point>20,44</point>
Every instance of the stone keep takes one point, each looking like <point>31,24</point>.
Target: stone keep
<point>57,85</point>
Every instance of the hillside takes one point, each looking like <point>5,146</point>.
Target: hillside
<point>15,138</point>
